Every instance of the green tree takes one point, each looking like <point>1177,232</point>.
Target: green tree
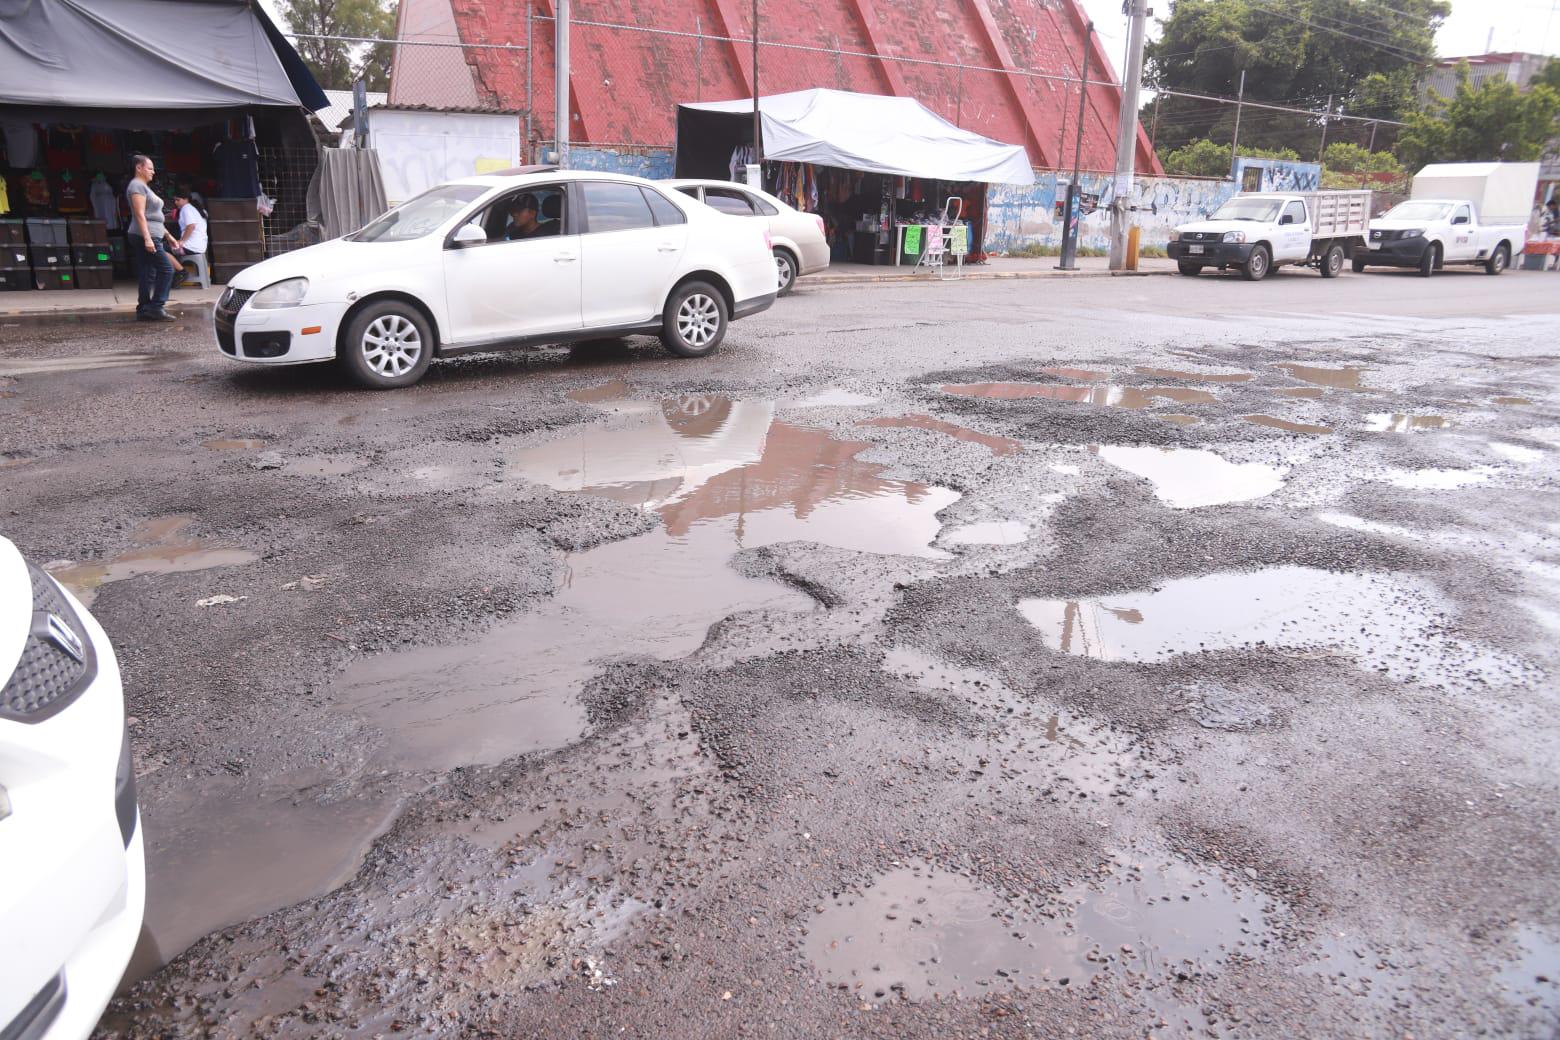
<point>1351,158</point>
<point>1490,122</point>
<point>1207,159</point>
<point>1550,76</point>
<point>1366,55</point>
<point>337,64</point>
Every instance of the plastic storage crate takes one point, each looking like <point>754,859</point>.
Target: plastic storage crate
<point>47,232</point>
<point>95,276</point>
<point>87,231</point>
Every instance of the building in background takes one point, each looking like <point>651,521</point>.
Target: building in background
<point>1511,66</point>
<point>1007,70</point>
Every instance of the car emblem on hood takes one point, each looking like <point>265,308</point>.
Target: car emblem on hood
<point>56,630</point>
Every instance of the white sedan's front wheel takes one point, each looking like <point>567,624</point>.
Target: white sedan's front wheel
<point>694,321</point>
<point>387,345</point>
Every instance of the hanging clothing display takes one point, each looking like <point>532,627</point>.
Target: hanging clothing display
<point>21,143</point>
<point>741,156</point>
<point>105,203</point>
<point>5,199</point>
<point>70,194</point>
<point>239,170</point>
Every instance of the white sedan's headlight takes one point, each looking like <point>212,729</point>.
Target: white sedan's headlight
<point>1234,236</point>
<point>287,293</point>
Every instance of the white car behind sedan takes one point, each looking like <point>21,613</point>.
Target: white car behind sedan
<point>72,870</point>
<point>797,239</point>
<point>466,267</point>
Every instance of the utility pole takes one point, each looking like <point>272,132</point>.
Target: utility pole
<point>755,170</point>
<point>1127,133</point>
<point>561,50</point>
<point>1240,97</point>
<point>1325,117</point>
<point>1070,206</point>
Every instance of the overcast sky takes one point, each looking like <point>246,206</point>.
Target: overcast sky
<point>1520,25</point>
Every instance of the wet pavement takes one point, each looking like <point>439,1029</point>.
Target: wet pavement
<point>938,660</point>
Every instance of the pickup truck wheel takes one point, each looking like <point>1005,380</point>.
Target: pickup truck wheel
<point>1430,260</point>
<point>1189,269</point>
<point>1256,267</point>
<point>694,321</point>
<point>1498,260</point>
<point>1359,265</point>
<point>1332,262</point>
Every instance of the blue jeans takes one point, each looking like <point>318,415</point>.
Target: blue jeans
<point>156,277</point>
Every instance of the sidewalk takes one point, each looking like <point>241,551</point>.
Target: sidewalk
<point>998,267</point>
<point>104,302</point>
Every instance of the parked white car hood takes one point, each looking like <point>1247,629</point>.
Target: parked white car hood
<point>325,260</point>
<point>1399,224</point>
<point>15,607</point>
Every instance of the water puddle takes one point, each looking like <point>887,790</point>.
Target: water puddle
<point>1134,397</point>
<point>616,390</point>
<point>1516,452</point>
<point>1310,393</point>
<point>1394,422</point>
<point>15,366</point>
<point>1188,478</point>
<point>1533,976</point>
<point>921,931</point>
<point>996,445</point>
<point>834,398</point>
<point>1510,401</point>
<point>988,532</point>
<point>1195,377</point>
<point>1384,624</point>
<point>229,858</point>
<point>1437,479</point>
<point>1178,419</point>
<point>338,465</point>
<point>1288,425</point>
<point>161,552</point>
<point>1349,377</point>
<point>233,443</point>
<point>723,476</point>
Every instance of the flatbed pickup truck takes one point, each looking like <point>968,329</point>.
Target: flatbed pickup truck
<point>1256,232</point>
<point>1457,213</point>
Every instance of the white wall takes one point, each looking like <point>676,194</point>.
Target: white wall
<point>418,150</point>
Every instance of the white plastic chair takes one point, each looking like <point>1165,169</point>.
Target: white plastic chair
<point>202,269</point>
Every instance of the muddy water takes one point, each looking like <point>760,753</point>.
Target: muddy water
<point>1133,397</point>
<point>920,931</point>
<point>1349,377</point>
<point>1178,419</point>
<point>161,552</point>
<point>1393,422</point>
<point>615,390</point>
<point>1382,623</point>
<point>996,445</point>
<point>1310,393</point>
<point>722,476</point>
<point>834,398</point>
<point>1187,478</point>
<point>1513,401</point>
<point>338,465</point>
<point>1288,425</point>
<point>233,443</point>
<point>987,532</point>
<point>1194,377</point>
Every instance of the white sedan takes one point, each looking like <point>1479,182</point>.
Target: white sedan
<point>70,839</point>
<point>536,255</point>
<point>797,238</point>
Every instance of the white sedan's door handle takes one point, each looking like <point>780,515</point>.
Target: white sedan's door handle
<point>565,258</point>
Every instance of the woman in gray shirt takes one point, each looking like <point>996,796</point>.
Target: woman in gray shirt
<point>154,266</point>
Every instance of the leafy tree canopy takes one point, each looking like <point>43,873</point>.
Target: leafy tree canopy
<point>1493,121</point>
<point>337,64</point>
<point>1206,159</point>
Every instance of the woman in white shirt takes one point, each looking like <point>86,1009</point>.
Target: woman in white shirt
<point>192,230</point>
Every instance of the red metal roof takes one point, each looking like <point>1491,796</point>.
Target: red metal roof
<point>626,85</point>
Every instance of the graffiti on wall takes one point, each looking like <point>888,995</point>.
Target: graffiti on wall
<point>1275,174</point>
<point>1027,217</point>
<point>653,163</point>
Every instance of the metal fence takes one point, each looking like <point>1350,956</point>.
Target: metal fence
<point>514,72</point>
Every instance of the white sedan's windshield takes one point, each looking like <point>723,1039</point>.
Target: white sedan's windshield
<point>417,217</point>
<point>1264,210</point>
<point>1417,211</point>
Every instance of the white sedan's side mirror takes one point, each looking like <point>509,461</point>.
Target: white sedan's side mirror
<point>469,235</point>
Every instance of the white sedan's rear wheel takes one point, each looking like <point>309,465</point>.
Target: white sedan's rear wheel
<point>785,267</point>
<point>694,321</point>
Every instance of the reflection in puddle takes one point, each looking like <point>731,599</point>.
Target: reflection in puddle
<point>1516,452</point>
<point>722,475</point>
<point>834,398</point>
<point>988,532</point>
<point>1437,479</point>
<point>233,443</point>
<point>997,445</point>
<point>1393,422</point>
<point>920,931</point>
<point>615,390</point>
<point>1285,424</point>
<point>17,366</point>
<point>1186,478</point>
<point>231,858</point>
<point>1136,397</point>
<point>324,465</point>
<point>1348,377</point>
<point>1384,624</point>
<point>1195,377</point>
<point>159,555</point>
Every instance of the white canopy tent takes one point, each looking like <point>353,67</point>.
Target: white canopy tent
<point>873,133</point>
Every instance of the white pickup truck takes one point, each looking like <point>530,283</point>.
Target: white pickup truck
<point>1256,232</point>
<point>1457,213</point>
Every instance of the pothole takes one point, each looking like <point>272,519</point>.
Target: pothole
<point>1287,425</point>
<point>1187,478</point>
<point>1397,422</point>
<point>161,552</point>
<point>1349,377</point>
<point>1107,396</point>
<point>996,445</point>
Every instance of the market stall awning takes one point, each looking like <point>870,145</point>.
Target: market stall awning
<point>869,132</point>
<point>156,55</point>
